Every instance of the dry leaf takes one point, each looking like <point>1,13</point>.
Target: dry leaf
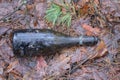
<point>101,50</point>
<point>40,8</point>
<point>5,8</point>
<point>89,28</point>
<point>30,7</point>
<point>4,29</point>
<point>84,10</point>
<point>35,22</point>
<point>79,54</point>
<point>41,63</point>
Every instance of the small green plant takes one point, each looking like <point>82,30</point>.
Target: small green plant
<point>60,14</point>
<point>66,19</point>
<point>53,13</point>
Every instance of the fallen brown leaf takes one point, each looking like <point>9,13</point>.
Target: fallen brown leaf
<point>79,54</point>
<point>88,28</point>
<point>30,7</point>
<point>101,50</point>
<point>3,29</point>
<point>41,63</point>
<point>40,8</point>
<point>84,10</point>
<point>35,22</point>
<point>4,9</point>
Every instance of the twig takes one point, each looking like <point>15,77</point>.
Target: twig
<point>77,66</point>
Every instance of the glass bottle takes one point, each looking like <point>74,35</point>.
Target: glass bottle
<point>44,41</point>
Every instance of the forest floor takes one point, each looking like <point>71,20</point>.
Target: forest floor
<point>99,18</point>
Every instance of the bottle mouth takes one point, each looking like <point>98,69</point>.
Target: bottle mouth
<point>88,40</point>
<point>96,40</point>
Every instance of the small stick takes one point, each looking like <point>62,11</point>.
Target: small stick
<point>77,66</point>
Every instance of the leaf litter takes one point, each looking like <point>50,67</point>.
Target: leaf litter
<point>100,62</point>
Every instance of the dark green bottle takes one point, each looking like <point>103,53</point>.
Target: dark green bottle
<point>44,41</point>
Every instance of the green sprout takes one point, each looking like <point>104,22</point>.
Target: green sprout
<point>55,14</point>
<point>66,19</point>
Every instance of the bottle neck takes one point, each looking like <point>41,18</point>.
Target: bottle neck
<point>66,40</point>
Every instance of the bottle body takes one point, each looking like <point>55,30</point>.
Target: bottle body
<point>41,42</point>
